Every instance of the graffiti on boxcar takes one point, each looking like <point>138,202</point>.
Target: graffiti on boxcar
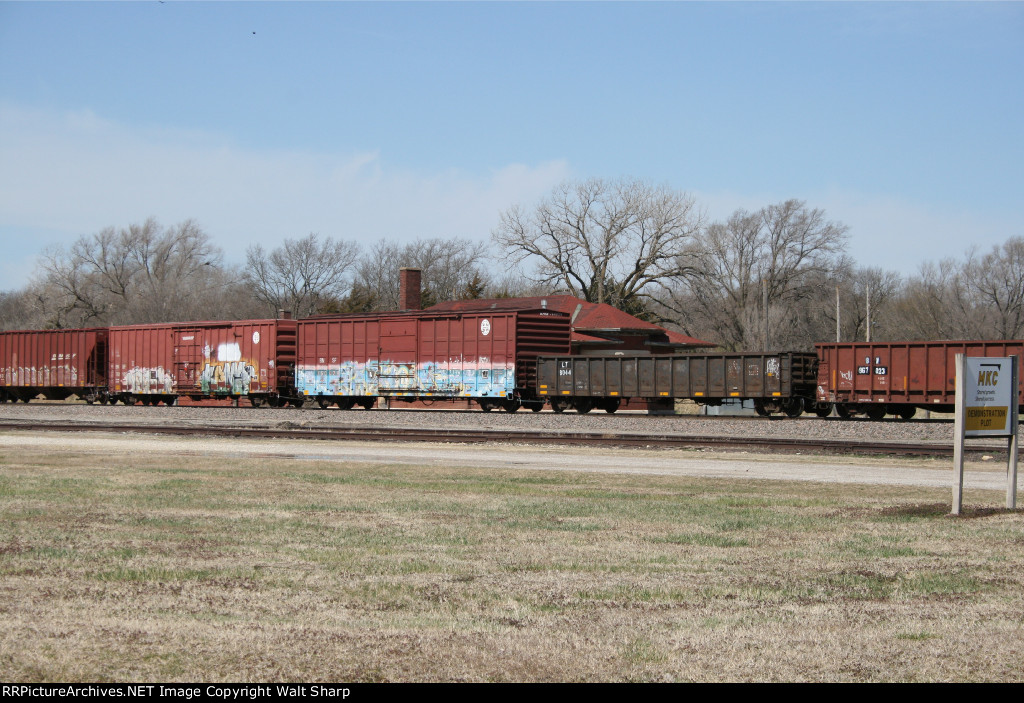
<point>58,375</point>
<point>771,367</point>
<point>454,377</point>
<point>234,377</point>
<point>148,380</point>
<point>229,351</point>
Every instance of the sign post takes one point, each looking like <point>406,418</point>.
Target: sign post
<point>986,406</point>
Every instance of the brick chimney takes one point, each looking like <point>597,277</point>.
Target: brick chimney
<point>409,288</point>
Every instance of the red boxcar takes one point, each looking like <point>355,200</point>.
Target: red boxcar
<point>158,363</point>
<point>899,377</point>
<point>489,356</point>
<point>53,363</point>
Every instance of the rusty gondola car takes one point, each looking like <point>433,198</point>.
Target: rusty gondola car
<point>55,364</point>
<point>776,382</point>
<point>899,378</point>
<point>486,356</point>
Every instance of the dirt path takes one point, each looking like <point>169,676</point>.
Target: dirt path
<point>910,472</point>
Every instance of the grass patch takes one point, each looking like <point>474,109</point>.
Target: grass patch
<point>180,568</point>
<point>703,539</point>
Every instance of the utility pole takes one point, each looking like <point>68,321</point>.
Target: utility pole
<point>868,323</point>
<point>837,315</point>
<point>764,304</point>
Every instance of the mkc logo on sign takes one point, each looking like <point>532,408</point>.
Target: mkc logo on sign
<point>988,377</point>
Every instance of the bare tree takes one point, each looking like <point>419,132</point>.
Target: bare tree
<point>512,283</point>
<point>860,288</point>
<point>996,284</point>
<point>610,242</point>
<point>753,276</point>
<point>141,273</point>
<point>303,276</point>
<point>980,297</point>
<point>451,269</point>
<point>24,309</point>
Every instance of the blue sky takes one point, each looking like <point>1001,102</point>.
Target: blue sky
<point>266,121</point>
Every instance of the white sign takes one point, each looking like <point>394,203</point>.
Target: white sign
<point>485,327</point>
<point>986,406</point>
<point>990,396</point>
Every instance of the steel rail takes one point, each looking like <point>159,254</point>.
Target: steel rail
<point>616,439</point>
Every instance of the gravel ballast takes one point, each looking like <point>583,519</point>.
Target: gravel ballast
<point>808,427</point>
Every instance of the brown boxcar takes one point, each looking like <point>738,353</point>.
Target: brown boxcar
<point>899,377</point>
<point>776,382</point>
<point>158,363</point>
<point>489,356</point>
<point>53,363</point>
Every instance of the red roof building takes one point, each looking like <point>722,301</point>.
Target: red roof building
<point>597,328</point>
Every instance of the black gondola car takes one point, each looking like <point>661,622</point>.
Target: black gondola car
<point>776,382</point>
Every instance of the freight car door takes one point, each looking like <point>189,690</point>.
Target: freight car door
<point>189,358</point>
<point>397,372</point>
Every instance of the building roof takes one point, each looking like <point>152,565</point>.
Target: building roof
<point>592,323</point>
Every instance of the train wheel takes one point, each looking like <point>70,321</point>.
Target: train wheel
<point>256,401</point>
<point>347,403</point>
<point>760,409</point>
<point>611,405</point>
<point>486,406</point>
<point>323,402</point>
<point>823,410</point>
<point>906,412</point>
<point>557,406</point>
<point>875,412</point>
<point>368,403</point>
<point>297,402</point>
<point>510,406</point>
<point>794,407</point>
<point>584,406</point>
<point>536,407</point>
<point>843,411</point>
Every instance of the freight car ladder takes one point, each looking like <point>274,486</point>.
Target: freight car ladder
<point>287,341</point>
<point>538,334</point>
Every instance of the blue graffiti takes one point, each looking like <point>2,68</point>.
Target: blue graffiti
<point>385,378</point>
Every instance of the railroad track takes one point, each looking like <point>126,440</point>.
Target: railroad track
<point>558,437</point>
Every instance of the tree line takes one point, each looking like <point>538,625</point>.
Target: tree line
<point>779,277</point>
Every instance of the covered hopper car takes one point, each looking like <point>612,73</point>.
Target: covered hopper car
<point>53,363</point>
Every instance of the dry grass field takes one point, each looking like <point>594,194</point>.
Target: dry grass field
<point>182,568</point>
